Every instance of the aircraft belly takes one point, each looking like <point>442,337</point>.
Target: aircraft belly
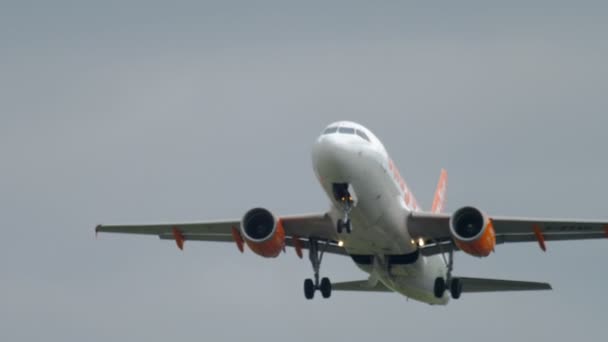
<point>415,281</point>
<point>379,215</point>
<point>377,218</point>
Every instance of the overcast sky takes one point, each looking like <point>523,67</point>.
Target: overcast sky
<point>130,112</point>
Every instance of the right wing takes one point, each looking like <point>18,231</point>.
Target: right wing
<point>301,227</point>
<point>497,285</point>
<point>435,230</point>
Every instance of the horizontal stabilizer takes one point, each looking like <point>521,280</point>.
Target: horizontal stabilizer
<point>496,285</point>
<point>360,285</point>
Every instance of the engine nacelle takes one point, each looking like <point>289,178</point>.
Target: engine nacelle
<point>263,232</point>
<point>473,232</point>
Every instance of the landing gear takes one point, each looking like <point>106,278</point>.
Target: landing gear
<point>454,285</point>
<point>309,289</point>
<point>343,225</point>
<point>325,288</point>
<point>439,288</point>
<point>315,255</point>
<point>456,288</point>
<point>345,198</point>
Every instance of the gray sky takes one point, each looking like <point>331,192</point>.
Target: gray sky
<point>143,112</point>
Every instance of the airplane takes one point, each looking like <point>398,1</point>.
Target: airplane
<point>375,220</point>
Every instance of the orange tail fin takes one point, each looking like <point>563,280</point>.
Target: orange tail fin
<point>440,193</point>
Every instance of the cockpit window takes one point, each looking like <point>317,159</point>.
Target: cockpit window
<point>363,135</point>
<point>330,130</point>
<point>346,130</point>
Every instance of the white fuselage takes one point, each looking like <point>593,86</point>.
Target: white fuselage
<point>382,202</point>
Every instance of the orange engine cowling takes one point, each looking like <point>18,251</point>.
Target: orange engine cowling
<point>263,233</point>
<point>473,232</point>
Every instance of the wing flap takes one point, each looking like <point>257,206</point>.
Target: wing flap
<point>497,285</point>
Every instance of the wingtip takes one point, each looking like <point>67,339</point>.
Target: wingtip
<point>97,229</point>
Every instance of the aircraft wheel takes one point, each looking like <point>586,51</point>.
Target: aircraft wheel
<point>309,289</point>
<point>456,288</point>
<point>339,226</point>
<point>348,226</point>
<point>325,287</point>
<point>439,288</point>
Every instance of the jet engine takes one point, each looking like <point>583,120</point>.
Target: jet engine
<point>473,232</point>
<point>263,232</point>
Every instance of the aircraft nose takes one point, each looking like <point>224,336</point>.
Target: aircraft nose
<point>330,154</point>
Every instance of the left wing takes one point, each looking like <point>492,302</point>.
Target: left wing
<point>300,227</point>
<point>435,229</point>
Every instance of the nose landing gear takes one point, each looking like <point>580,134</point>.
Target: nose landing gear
<point>346,201</point>
<point>344,223</point>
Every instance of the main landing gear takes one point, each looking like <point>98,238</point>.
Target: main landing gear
<point>345,198</point>
<point>454,285</point>
<point>315,255</point>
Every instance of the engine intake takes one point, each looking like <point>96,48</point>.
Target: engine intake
<point>258,224</point>
<point>467,223</point>
<point>473,232</point>
<point>263,233</point>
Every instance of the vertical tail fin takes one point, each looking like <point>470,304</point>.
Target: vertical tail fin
<point>440,193</point>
